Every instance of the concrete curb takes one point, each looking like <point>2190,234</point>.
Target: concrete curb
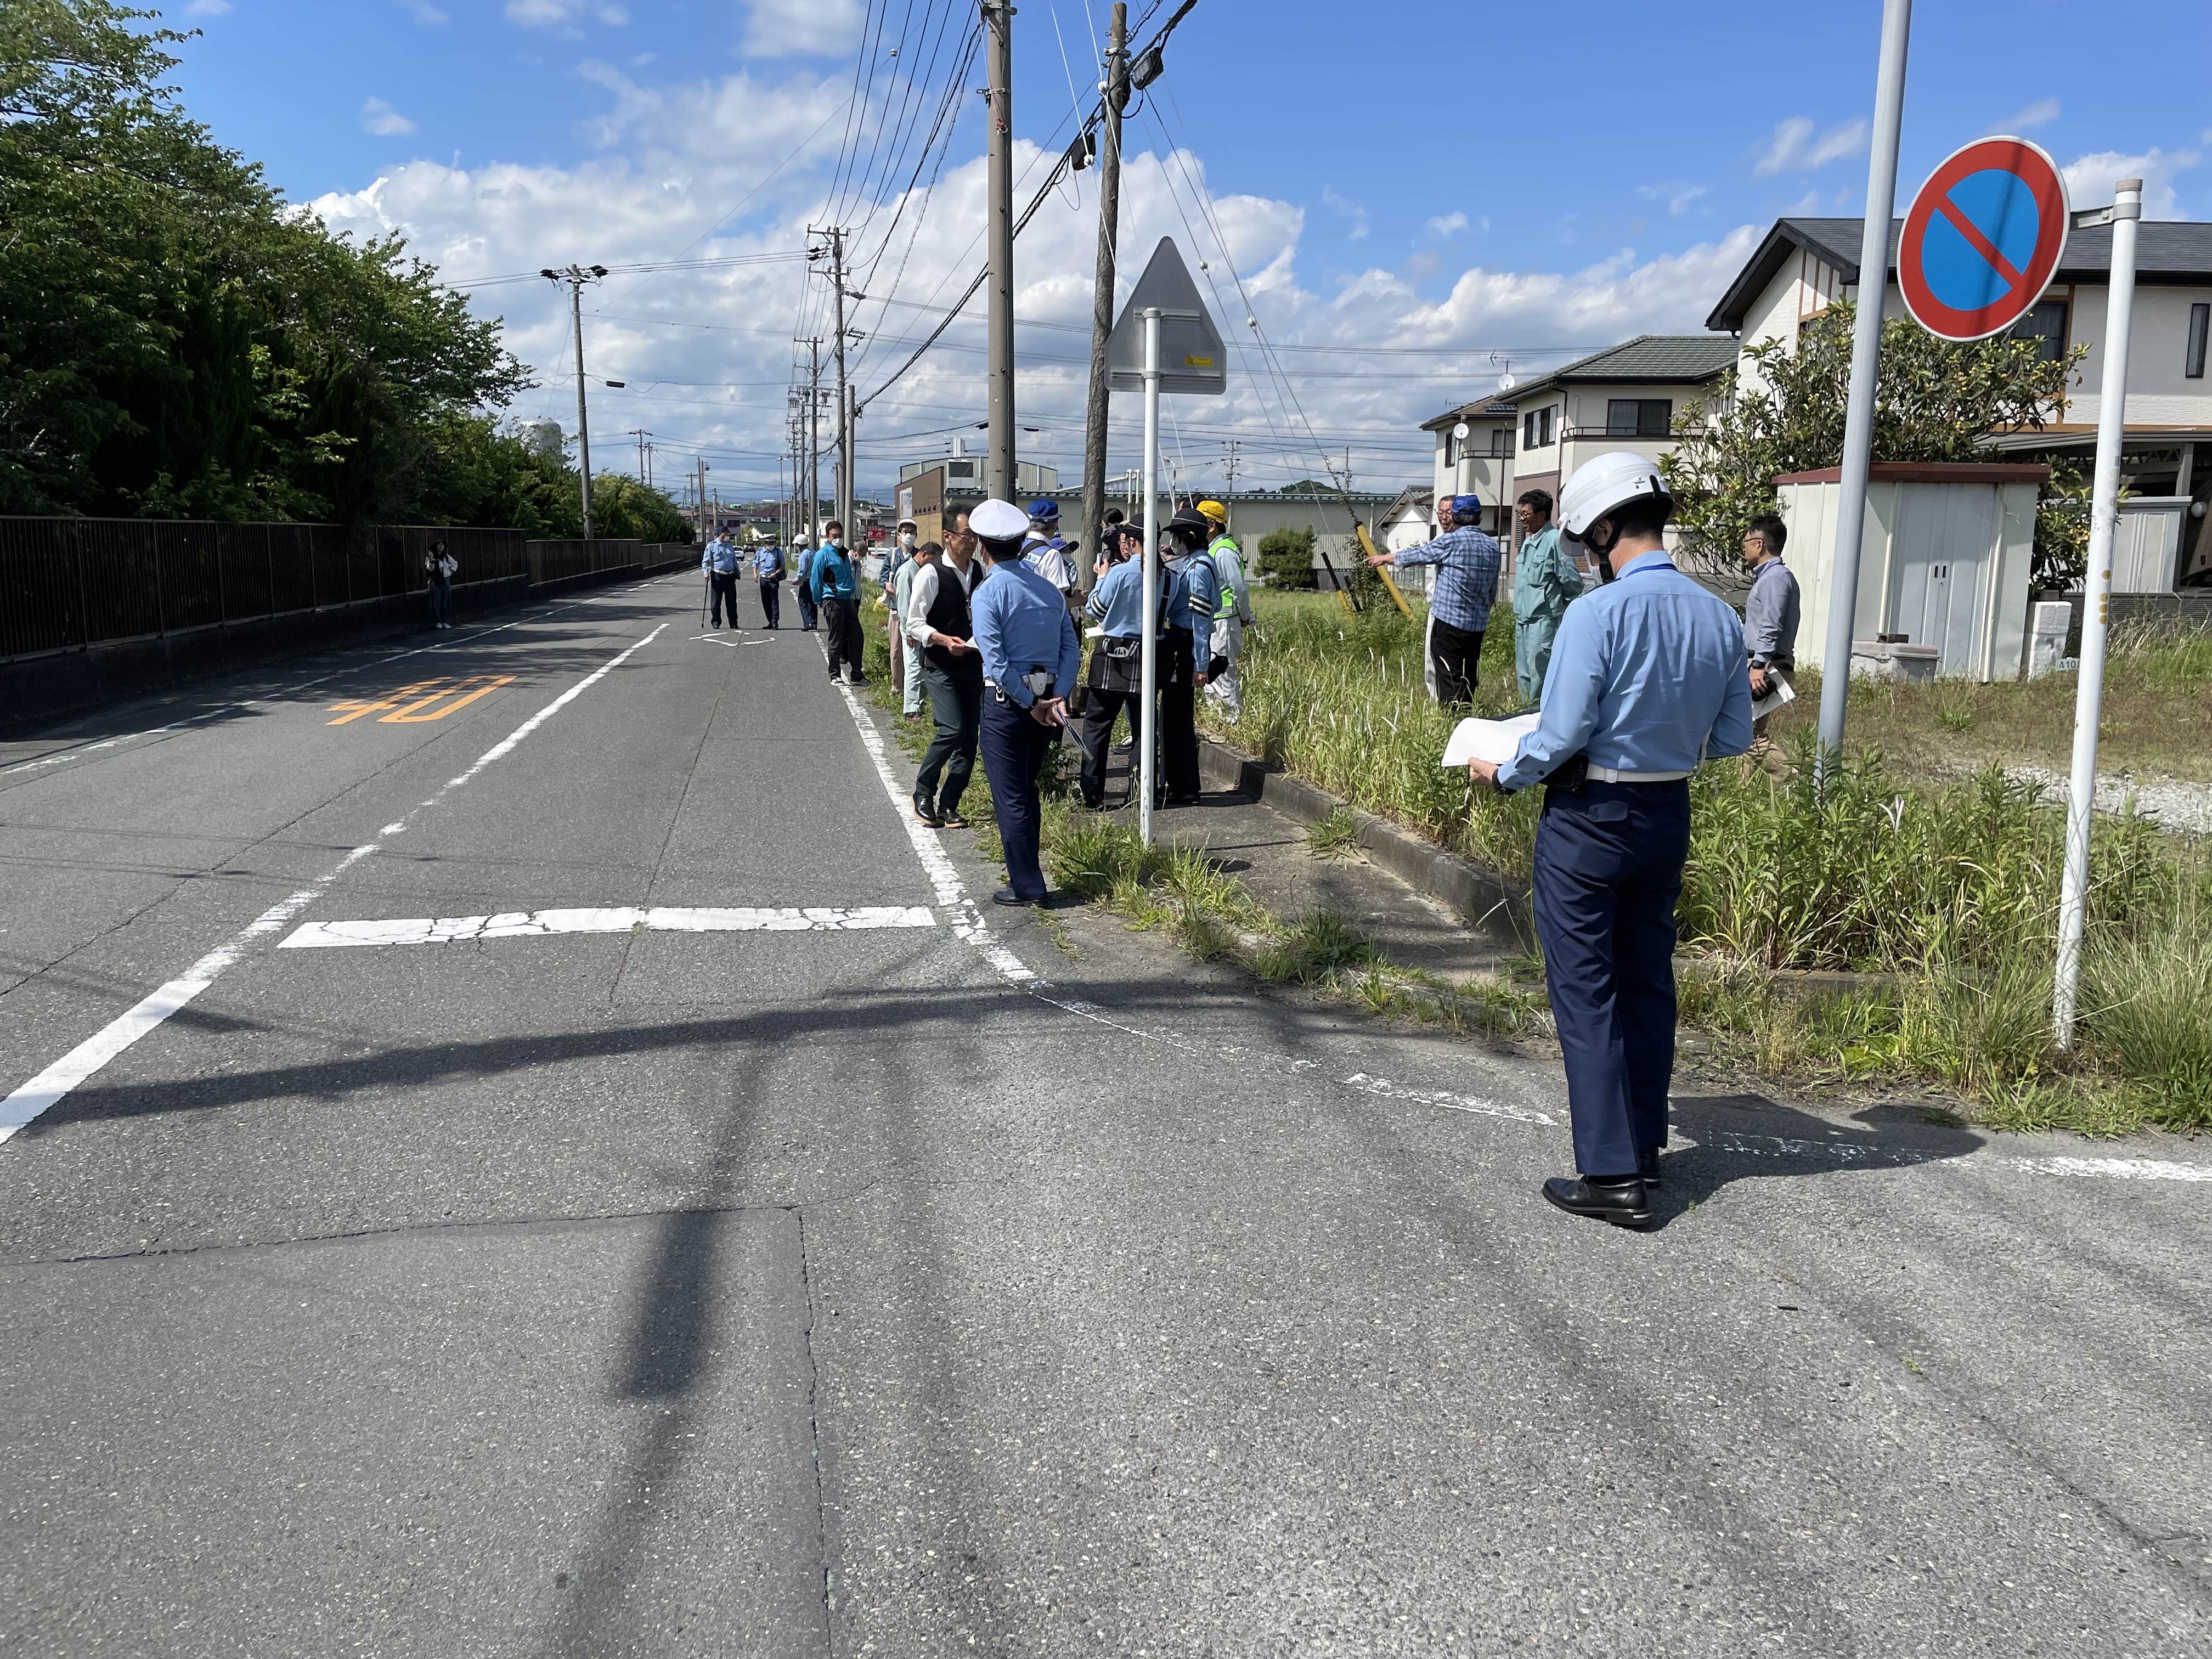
<point>1483,897</point>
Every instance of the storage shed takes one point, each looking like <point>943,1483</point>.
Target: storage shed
<point>1944,561</point>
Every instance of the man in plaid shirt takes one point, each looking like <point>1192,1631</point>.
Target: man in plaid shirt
<point>1466,587</point>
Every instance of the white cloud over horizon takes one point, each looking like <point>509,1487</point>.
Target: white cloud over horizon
<point>379,118</point>
<point>1793,148</point>
<point>707,353</point>
<point>2090,179</point>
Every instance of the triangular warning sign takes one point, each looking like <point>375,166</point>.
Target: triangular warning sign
<point>1192,358</point>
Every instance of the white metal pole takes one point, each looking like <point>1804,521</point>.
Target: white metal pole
<point>1147,737</point>
<point>2096,603</point>
<point>1866,363</point>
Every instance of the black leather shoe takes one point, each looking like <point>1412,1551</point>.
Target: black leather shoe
<point>1624,1202</point>
<point>1007,896</point>
<point>1647,1165</point>
<point>926,812</point>
<point>1094,803</point>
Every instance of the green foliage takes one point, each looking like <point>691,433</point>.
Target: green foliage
<point>1935,401</point>
<point>1286,557</point>
<point>1307,486</point>
<point>178,341</point>
<point>624,507</point>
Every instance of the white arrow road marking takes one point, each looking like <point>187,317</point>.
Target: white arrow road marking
<point>614,919</point>
<point>42,1091</point>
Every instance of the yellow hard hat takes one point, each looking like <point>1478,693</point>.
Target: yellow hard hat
<point>1215,511</point>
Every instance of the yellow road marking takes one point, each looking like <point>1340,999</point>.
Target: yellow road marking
<point>408,702</point>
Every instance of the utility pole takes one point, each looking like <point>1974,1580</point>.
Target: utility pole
<point>848,412</point>
<point>1114,89</point>
<point>998,30</point>
<point>813,436</point>
<point>699,490</point>
<point>1231,468</point>
<point>576,276</point>
<point>644,458</point>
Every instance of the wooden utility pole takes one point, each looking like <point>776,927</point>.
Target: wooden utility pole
<point>1115,89</point>
<point>998,33</point>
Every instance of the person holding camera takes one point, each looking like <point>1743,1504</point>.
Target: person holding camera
<point>1646,680</point>
<point>1030,657</point>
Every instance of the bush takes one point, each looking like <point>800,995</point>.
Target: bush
<point>1287,558</point>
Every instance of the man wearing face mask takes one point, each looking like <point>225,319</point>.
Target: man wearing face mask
<point>1646,680</point>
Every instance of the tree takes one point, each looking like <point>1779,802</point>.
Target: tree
<point>623,506</point>
<point>1286,557</point>
<point>177,339</point>
<point>1307,486</point>
<point>1935,400</point>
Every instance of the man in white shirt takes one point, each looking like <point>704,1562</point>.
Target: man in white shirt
<point>940,632</point>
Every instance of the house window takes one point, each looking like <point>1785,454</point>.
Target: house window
<point>1536,427</point>
<point>1451,449</point>
<point>2200,324</point>
<point>2046,325</point>
<point>1637,417</point>
<point>1501,440</point>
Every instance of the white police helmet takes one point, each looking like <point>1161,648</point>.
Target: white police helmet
<point>1611,480</point>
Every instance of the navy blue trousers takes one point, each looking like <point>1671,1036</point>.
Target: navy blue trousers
<point>1014,749</point>
<point>772,601</point>
<point>1608,870</point>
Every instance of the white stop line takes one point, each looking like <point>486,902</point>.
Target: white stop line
<point>611,919</point>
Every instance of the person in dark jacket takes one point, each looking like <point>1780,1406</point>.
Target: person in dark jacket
<point>940,630</point>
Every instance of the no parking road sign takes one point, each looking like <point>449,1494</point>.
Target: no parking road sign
<point>1983,237</point>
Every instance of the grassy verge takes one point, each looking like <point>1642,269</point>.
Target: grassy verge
<point>1946,890</point>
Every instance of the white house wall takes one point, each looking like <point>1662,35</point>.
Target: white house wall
<point>2157,392</point>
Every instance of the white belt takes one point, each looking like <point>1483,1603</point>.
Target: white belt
<point>1612,774</point>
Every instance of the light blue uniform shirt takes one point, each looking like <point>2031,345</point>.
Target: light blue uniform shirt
<point>720,557</point>
<point>1021,623</point>
<point>767,564</point>
<point>1202,583</point>
<point>1647,676</point>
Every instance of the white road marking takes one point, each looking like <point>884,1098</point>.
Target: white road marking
<point>617,919</point>
<point>2115,1168</point>
<point>82,1062</point>
<point>1487,1108</point>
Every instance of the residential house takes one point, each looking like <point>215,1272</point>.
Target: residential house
<point>1474,455</point>
<point>1804,265</point>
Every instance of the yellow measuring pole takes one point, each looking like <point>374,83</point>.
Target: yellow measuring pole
<point>1367,547</point>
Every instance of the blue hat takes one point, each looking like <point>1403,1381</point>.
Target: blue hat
<point>1466,506</point>
<point>1047,511</point>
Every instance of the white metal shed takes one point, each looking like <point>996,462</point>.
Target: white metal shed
<point>1944,559</point>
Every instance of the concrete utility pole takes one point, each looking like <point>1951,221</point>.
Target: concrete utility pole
<point>644,456</point>
<point>2104,523</point>
<point>999,31</point>
<point>1231,466</point>
<point>575,276</point>
<point>699,493</point>
<point>1865,366</point>
<point>846,413</point>
<point>813,437</point>
<point>1114,89</point>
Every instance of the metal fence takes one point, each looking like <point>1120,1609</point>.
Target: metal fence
<point>67,583</point>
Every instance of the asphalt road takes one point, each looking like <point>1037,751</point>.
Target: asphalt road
<point>702,1231</point>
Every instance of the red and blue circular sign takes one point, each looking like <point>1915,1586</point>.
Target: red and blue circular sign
<point>1983,237</point>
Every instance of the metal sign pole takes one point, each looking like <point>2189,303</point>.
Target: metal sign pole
<point>2103,521</point>
<point>1147,737</point>
<point>1866,362</point>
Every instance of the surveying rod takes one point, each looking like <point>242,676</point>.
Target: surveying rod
<point>1147,738</point>
<point>2096,602</point>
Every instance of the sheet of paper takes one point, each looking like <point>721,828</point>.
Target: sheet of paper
<point>1494,741</point>
<point>1762,706</point>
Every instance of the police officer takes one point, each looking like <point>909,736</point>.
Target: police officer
<point>1646,680</point>
<point>1115,681</point>
<point>1186,651</point>
<point>1030,657</point>
<point>720,561</point>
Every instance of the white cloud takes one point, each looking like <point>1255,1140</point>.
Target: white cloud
<point>708,353</point>
<point>2041,112</point>
<point>1792,147</point>
<point>2090,179</point>
<point>1446,227</point>
<point>543,13</point>
<point>785,28</point>
<point>1678,196</point>
<point>379,118</point>
<point>1347,208</point>
<point>424,12</point>
<point>209,8</point>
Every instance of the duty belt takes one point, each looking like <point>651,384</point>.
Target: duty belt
<point>1613,774</point>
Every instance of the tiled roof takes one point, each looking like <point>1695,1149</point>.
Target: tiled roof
<point>1649,359</point>
<point>2169,254</point>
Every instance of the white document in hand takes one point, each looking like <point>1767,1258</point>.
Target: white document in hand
<point>1495,741</point>
<point>1761,707</point>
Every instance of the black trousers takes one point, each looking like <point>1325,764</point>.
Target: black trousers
<point>1014,751</point>
<point>1456,656</point>
<point>1178,716</point>
<point>842,618</point>
<point>1608,869</point>
<point>804,593</point>
<point>725,584</point>
<point>771,589</point>
<point>1102,708</point>
<point>955,704</point>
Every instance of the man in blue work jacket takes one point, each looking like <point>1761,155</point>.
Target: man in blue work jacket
<point>835,591</point>
<point>1031,658</point>
<point>1646,680</point>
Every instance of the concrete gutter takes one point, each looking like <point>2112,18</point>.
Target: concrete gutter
<point>1482,896</point>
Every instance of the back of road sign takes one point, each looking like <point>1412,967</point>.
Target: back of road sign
<point>1982,239</point>
<point>1192,358</point>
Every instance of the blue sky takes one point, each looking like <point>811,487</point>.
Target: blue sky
<point>1413,195</point>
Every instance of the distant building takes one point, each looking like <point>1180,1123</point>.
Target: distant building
<point>546,437</point>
